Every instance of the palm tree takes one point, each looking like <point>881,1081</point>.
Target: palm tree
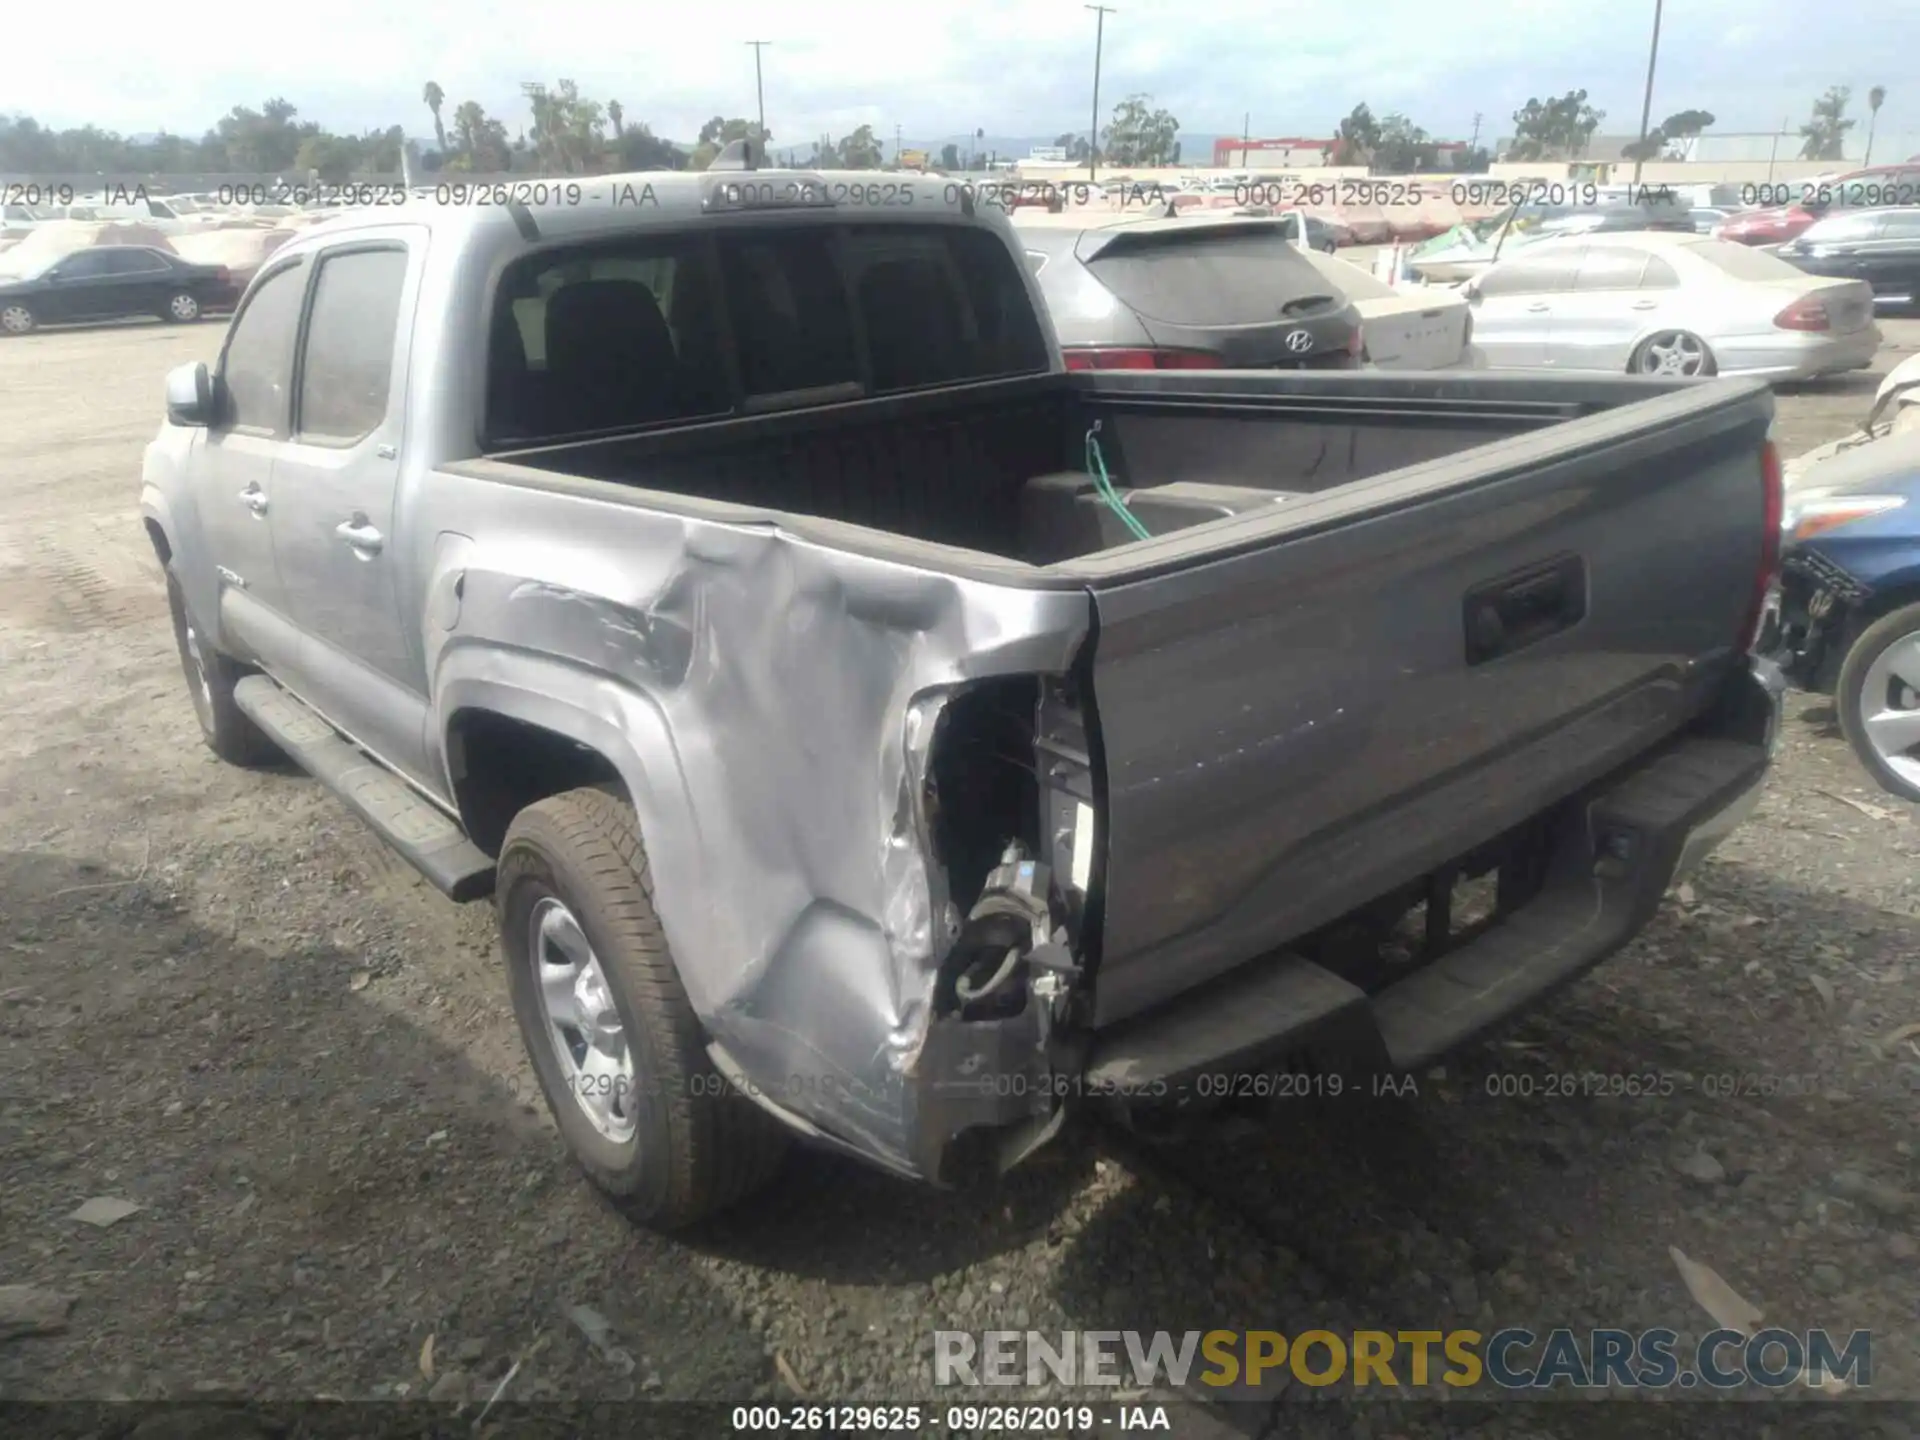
<point>1876,97</point>
<point>435,96</point>
<point>615,113</point>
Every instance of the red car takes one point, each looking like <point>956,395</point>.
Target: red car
<point>1798,203</point>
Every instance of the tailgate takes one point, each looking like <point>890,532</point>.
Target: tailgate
<point>1389,674</point>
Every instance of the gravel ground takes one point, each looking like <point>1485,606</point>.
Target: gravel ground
<point>224,1002</point>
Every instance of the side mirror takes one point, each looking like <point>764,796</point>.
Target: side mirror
<point>190,395</point>
<point>1472,291</point>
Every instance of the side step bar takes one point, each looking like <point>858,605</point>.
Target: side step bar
<point>423,836</point>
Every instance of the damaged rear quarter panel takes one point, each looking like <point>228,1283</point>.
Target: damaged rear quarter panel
<point>760,694</point>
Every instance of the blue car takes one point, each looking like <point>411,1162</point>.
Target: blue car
<point>1847,623</point>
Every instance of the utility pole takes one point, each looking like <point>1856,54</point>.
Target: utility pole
<point>1474,143</point>
<point>1646,105</point>
<point>759,93</point>
<point>1099,34</point>
<point>896,147</point>
<point>1246,139</point>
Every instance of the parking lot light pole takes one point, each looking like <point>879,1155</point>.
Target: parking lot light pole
<point>1646,105</point>
<point>759,94</point>
<point>1093,137</point>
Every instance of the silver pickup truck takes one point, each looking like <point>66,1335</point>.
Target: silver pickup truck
<point>873,733</point>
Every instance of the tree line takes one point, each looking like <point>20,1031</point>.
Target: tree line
<point>571,134</point>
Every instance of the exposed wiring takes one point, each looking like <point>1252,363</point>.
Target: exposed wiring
<point>1097,468</point>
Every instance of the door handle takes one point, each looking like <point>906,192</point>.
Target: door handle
<point>360,535</point>
<point>255,499</point>
<point>1646,305</point>
<point>1538,306</point>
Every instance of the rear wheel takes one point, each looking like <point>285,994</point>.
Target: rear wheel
<point>607,1024</point>
<point>1670,353</point>
<point>211,676</point>
<point>17,318</point>
<point>1878,700</point>
<point>182,309</point>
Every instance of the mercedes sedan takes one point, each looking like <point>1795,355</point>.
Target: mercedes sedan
<point>1656,303</point>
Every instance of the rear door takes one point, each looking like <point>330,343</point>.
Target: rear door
<point>1513,306</point>
<point>1297,728</point>
<point>1236,288</point>
<point>142,281</point>
<point>1596,326</point>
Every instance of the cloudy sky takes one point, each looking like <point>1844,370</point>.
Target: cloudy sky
<point>1014,67</point>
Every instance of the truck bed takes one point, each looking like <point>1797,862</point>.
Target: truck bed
<point>1474,596</point>
<point>954,468</point>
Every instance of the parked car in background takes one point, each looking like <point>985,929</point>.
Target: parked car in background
<point>1654,303</point>
<point>1847,622</point>
<point>1650,212</point>
<point>1877,188</point>
<point>1320,234</point>
<point>1707,219</point>
<point>1207,292</point>
<point>241,250</point>
<point>151,211</point>
<point>1880,247</point>
<point>1422,327</point>
<point>111,282</point>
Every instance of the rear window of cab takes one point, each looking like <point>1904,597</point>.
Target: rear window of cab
<point>663,327</point>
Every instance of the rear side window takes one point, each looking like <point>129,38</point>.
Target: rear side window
<point>1659,275</point>
<point>639,331</point>
<point>1218,277</point>
<point>1605,269</point>
<point>1900,225</point>
<point>258,367</point>
<point>135,262</point>
<point>346,369</point>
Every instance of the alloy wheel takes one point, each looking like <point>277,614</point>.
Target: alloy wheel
<point>1890,707</point>
<point>582,1023</point>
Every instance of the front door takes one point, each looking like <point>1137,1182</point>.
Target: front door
<point>333,510</point>
<point>1513,306</point>
<point>77,288</point>
<point>233,468</point>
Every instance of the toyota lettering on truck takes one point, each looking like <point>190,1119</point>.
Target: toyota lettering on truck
<point>876,735</point>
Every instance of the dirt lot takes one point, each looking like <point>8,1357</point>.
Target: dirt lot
<point>223,1001</point>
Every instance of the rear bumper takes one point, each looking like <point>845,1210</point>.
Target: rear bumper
<point>1617,851</point>
<point>1787,356</point>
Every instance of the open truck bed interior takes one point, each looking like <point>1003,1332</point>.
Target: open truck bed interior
<point>1001,467</point>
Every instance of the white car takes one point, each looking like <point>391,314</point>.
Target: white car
<point>1664,303</point>
<point>1423,327</point>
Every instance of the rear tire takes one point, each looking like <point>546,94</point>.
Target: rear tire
<point>210,677</point>
<point>1673,354</point>
<point>573,877</point>
<point>1873,693</point>
<point>17,318</point>
<point>181,309</point>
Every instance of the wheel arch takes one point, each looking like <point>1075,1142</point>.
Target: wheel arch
<point>515,728</point>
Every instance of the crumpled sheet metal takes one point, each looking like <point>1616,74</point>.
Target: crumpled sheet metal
<point>799,689</point>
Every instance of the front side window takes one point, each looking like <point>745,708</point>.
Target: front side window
<point>258,368</point>
<point>346,370</point>
<point>1533,275</point>
<point>84,265</point>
